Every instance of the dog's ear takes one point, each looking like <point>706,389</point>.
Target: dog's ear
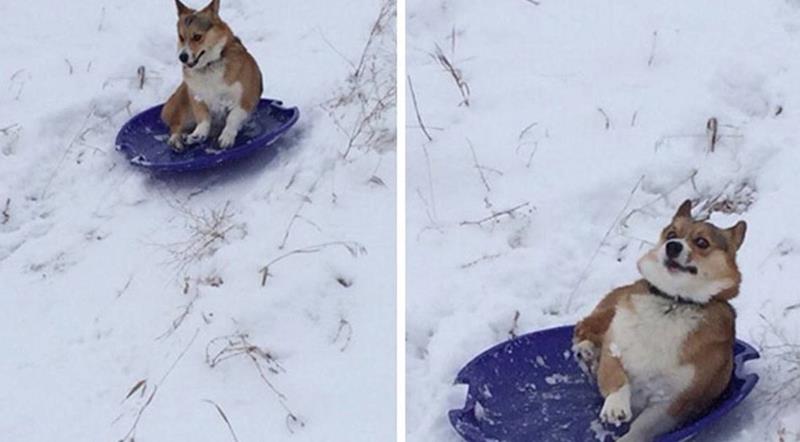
<point>212,7</point>
<point>685,210</point>
<point>182,9</point>
<point>736,233</point>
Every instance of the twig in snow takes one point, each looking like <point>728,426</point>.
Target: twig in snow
<point>652,49</point>
<point>69,65</point>
<point>344,331</point>
<point>416,110</point>
<point>209,230</point>
<point>121,291</point>
<point>239,345</point>
<point>633,118</point>
<point>385,17</point>
<point>132,431</point>
<point>479,260</point>
<point>521,142</point>
<point>141,74</point>
<point>787,353</point>
<point>711,131</point>
<point>605,115</point>
<point>353,247</point>
<point>81,132</point>
<point>458,77</point>
<point>304,199</point>
<point>224,418</point>
<point>335,50</point>
<point>478,166</point>
<point>6,213</point>
<point>514,325</point>
<point>142,384</point>
<point>617,219</point>
<point>496,215</point>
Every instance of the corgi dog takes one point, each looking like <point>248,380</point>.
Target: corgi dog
<point>221,80</point>
<point>662,348</point>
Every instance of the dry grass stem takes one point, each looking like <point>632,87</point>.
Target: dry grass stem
<point>455,74</point>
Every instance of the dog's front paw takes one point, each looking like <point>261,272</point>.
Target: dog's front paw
<point>617,407</point>
<point>176,142</point>
<point>226,138</point>
<point>199,134</point>
<point>587,354</point>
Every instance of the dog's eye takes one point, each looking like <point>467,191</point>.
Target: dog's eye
<point>181,38</point>
<point>702,243</point>
<point>197,37</point>
<point>672,235</point>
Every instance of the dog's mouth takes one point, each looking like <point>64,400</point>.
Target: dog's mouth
<point>673,267</point>
<point>196,60</point>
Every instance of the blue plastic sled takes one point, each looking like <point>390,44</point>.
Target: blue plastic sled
<point>532,389</point>
<point>143,139</point>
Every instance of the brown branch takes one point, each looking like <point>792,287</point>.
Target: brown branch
<point>416,110</point>
<point>507,212</point>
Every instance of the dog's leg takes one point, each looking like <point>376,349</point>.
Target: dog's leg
<point>651,422</point>
<point>590,332</point>
<point>203,118</point>
<point>177,114</point>
<point>233,123</point>
<point>614,386</point>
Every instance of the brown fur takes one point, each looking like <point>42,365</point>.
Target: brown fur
<point>709,347</point>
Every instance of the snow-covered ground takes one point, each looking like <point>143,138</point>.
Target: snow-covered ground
<point>133,305</point>
<point>585,128</point>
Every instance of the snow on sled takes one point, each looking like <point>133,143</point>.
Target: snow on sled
<point>531,389</point>
<point>143,139</point>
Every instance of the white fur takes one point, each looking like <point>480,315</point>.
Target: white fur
<point>697,287</point>
<point>233,123</point>
<point>208,85</point>
<point>200,132</point>
<point>617,407</point>
<point>649,342</point>
<point>654,420</point>
<point>587,354</point>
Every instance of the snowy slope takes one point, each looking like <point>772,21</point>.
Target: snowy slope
<point>585,128</point>
<point>116,283</point>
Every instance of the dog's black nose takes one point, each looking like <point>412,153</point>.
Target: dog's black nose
<point>184,57</point>
<point>674,249</point>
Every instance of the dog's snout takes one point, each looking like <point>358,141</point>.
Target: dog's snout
<point>183,57</point>
<point>673,249</point>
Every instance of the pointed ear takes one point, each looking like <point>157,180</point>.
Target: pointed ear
<point>736,233</point>
<point>212,7</point>
<point>684,210</point>
<point>182,9</point>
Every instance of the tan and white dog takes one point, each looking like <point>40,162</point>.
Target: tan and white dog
<point>662,347</point>
<point>221,80</point>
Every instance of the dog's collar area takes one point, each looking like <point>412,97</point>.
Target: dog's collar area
<point>676,299</point>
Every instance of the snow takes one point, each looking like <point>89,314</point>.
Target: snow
<point>118,283</point>
<point>586,128</point>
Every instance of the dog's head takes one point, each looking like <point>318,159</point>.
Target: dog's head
<point>201,35</point>
<point>695,259</point>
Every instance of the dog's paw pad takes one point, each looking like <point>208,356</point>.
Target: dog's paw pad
<point>617,408</point>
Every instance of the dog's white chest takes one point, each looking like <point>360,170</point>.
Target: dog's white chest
<point>209,86</point>
<point>649,339</point>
